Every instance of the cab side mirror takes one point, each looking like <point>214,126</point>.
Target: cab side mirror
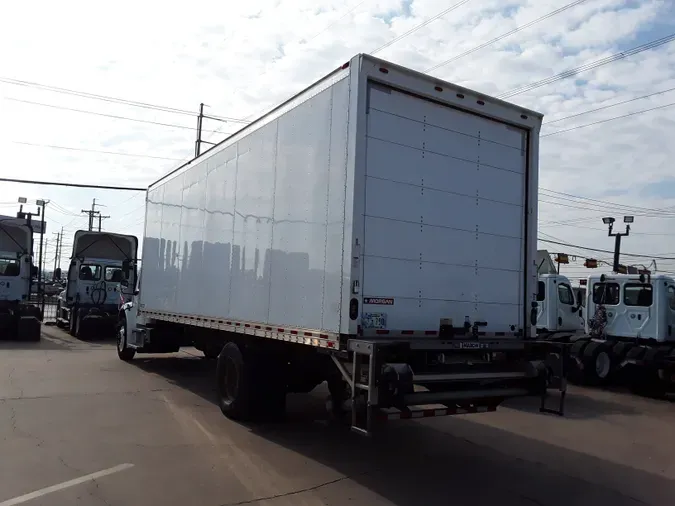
<point>126,268</point>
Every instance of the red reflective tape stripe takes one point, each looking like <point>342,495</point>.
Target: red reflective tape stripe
<point>238,324</point>
<point>428,412</point>
<point>406,415</point>
<point>407,332</point>
<point>309,334</point>
<point>281,330</point>
<point>382,332</point>
<point>247,324</point>
<point>323,336</point>
<point>268,328</point>
<point>430,332</point>
<point>294,332</point>
<point>258,326</point>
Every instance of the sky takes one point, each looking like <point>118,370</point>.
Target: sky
<point>242,59</point>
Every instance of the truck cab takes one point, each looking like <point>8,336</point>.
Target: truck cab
<point>640,308</point>
<point>629,332</point>
<point>558,309</point>
<point>102,268</point>
<point>18,316</point>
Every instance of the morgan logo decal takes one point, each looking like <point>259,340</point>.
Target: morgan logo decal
<point>381,301</point>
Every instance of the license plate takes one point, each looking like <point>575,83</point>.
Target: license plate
<point>374,320</point>
<point>472,345</point>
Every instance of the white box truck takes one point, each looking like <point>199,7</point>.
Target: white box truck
<point>376,231</point>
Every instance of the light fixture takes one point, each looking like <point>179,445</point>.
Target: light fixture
<point>608,221</point>
<point>628,219</point>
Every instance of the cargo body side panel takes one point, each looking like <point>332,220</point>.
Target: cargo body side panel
<point>253,229</point>
<point>450,214</point>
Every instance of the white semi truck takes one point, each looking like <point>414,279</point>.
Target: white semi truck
<point>377,231</point>
<point>19,317</point>
<point>89,306</point>
<point>629,332</point>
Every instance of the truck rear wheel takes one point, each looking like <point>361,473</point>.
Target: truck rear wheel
<point>249,384</point>
<point>123,351</point>
<point>598,363</point>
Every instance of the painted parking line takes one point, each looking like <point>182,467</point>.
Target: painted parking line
<point>66,484</point>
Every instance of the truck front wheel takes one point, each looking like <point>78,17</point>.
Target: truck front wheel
<point>123,351</point>
<point>250,384</point>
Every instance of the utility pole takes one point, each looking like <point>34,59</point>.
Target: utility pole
<point>617,237</point>
<point>56,254</point>
<point>91,213</point>
<point>101,218</point>
<point>200,121</point>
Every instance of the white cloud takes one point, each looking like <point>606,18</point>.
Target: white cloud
<point>243,58</point>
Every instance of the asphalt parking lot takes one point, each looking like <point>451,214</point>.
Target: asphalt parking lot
<point>78,426</point>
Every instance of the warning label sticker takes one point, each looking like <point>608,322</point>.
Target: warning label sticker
<point>381,301</point>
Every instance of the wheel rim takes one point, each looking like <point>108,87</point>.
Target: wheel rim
<point>603,364</point>
<point>231,380</point>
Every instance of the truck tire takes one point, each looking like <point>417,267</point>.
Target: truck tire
<point>599,363</point>
<point>574,373</point>
<point>29,329</point>
<point>123,351</point>
<point>647,380</point>
<point>248,388</point>
<point>72,318</point>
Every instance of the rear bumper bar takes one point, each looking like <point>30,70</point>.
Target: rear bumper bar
<point>482,374</point>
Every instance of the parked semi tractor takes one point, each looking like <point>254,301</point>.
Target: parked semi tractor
<point>19,318</point>
<point>629,332</point>
<point>559,311</point>
<point>377,232</point>
<point>100,261</point>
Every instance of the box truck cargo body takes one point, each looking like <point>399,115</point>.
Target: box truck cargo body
<point>379,209</point>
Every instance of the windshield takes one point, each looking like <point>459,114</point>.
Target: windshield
<point>9,267</point>
<point>90,272</point>
<point>113,273</point>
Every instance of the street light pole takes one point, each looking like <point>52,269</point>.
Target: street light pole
<point>617,237</point>
<point>42,204</point>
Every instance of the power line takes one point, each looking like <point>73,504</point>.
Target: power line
<point>421,25</point>
<point>118,153</point>
<point>504,35</point>
<point>604,210</point>
<point>589,111</point>
<point>73,185</point>
<point>576,225</point>
<point>607,202</point>
<point>588,66</point>
<point>104,114</point>
<point>326,28</point>
<point>605,251</point>
<point>299,41</point>
<point>635,113</point>
<point>107,98</point>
